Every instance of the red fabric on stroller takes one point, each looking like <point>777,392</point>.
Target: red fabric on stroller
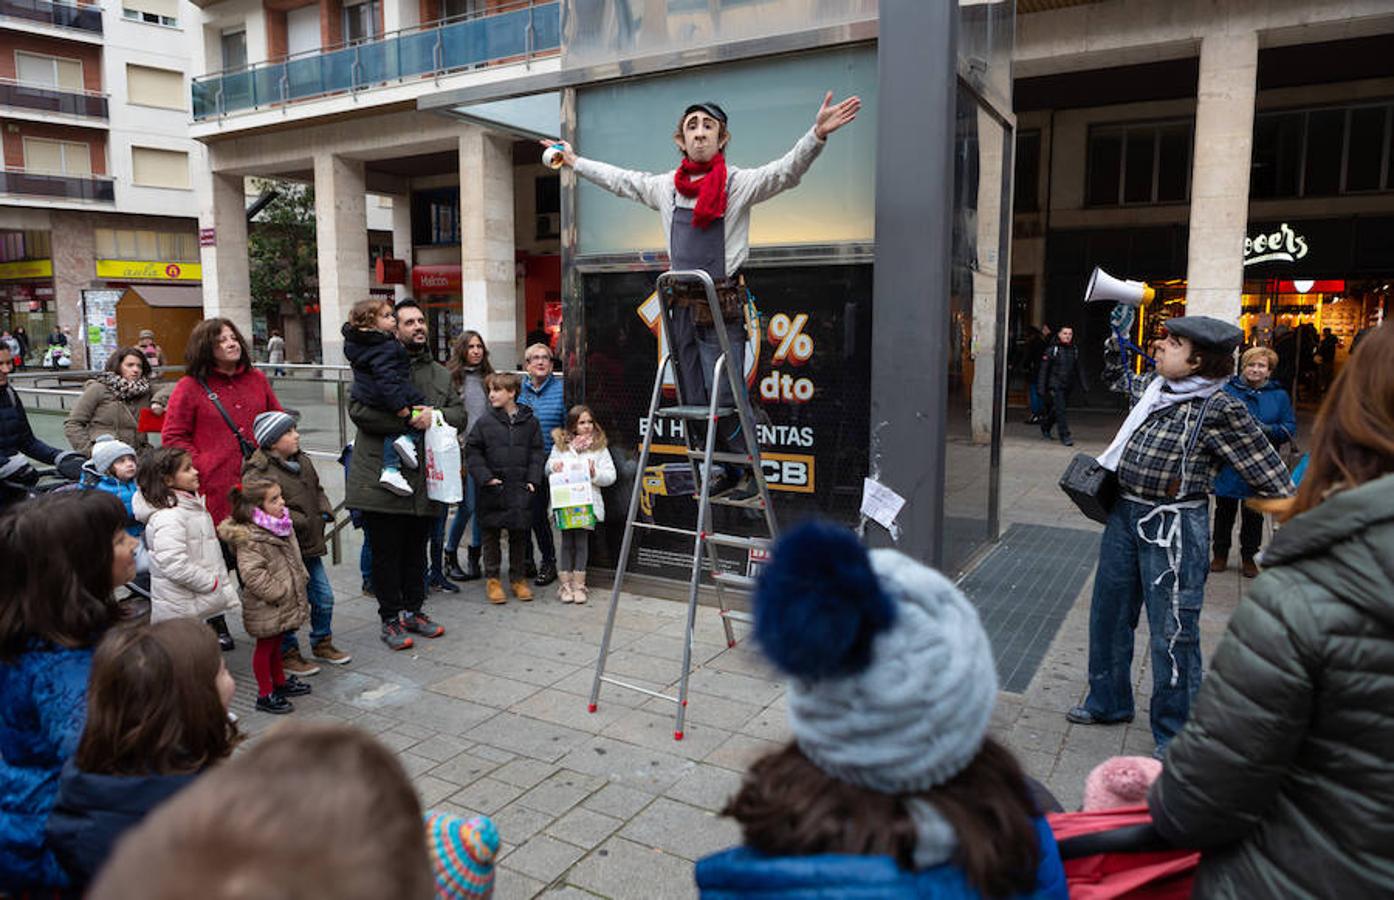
<point>1152,875</point>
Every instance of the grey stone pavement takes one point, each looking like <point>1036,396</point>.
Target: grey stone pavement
<point>491,718</point>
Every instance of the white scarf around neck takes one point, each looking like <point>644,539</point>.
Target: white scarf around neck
<point>1155,398</point>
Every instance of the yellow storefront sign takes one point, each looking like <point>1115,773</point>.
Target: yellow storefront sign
<point>148,270</point>
<point>26,268</point>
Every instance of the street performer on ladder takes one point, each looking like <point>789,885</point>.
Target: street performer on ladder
<point>705,208</point>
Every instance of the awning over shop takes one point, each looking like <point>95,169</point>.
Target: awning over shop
<point>170,295</point>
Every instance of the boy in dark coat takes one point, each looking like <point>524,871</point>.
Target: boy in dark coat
<point>278,458</point>
<point>382,380</point>
<point>506,460</point>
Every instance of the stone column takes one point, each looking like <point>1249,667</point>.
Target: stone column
<point>227,288</point>
<point>341,236</point>
<point>1220,174</point>
<point>401,240</point>
<point>487,242</point>
<point>74,253</point>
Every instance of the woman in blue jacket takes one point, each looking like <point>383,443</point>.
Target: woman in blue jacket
<point>61,556</point>
<point>1268,403</point>
<point>891,787</point>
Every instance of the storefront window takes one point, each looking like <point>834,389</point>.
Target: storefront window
<point>771,103</point>
<point>812,410</point>
<point>977,315</point>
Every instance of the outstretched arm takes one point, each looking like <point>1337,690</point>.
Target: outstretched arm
<point>644,187</point>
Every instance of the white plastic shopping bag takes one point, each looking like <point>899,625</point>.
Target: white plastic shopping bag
<point>443,481</point>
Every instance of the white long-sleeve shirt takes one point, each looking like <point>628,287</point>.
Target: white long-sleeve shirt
<point>744,189</point>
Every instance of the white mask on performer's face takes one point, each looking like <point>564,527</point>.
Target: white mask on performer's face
<point>701,137</point>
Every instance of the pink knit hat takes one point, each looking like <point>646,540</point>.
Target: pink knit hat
<point>1120,781</point>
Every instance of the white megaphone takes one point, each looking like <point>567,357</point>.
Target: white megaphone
<point>1104,287</point>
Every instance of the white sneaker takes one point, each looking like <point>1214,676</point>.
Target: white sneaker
<point>406,450</point>
<point>392,480</point>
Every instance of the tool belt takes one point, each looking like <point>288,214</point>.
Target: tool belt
<point>730,296</point>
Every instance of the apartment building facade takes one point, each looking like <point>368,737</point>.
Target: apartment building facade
<point>97,201</point>
<point>326,93</point>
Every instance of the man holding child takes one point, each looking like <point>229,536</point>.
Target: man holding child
<point>398,528</point>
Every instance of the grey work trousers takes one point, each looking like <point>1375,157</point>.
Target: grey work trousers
<point>695,349</point>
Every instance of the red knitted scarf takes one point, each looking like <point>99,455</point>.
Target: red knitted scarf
<point>710,191</point>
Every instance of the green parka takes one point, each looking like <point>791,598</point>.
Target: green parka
<point>1284,774</point>
<point>362,490</point>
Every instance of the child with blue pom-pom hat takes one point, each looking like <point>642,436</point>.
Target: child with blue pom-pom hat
<point>891,786</point>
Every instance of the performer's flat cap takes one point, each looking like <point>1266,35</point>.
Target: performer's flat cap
<point>1213,334</point>
<point>710,108</point>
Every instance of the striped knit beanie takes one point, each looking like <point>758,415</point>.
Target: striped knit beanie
<point>268,427</point>
<point>462,855</point>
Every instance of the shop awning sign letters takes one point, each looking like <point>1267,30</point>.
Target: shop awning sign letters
<point>148,270</point>
<point>1283,245</point>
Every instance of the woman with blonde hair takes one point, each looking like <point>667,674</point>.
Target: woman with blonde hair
<point>1284,775</point>
<point>1268,403</point>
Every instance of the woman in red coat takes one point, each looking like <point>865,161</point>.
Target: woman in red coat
<point>217,359</point>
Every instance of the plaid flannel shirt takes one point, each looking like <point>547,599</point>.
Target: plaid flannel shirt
<point>1152,458</point>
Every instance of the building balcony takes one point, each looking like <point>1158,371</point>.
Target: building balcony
<point>519,33</point>
<point>88,188</point>
<point>41,99</point>
<point>62,15</point>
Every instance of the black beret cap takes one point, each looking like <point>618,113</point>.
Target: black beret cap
<point>1212,334</point>
<point>710,108</point>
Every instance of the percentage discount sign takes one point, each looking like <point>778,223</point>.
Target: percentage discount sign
<point>789,339</point>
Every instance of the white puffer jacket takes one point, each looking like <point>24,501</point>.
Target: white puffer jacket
<point>188,578</point>
<point>604,469</point>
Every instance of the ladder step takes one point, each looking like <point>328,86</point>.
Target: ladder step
<point>731,579</point>
<point>723,456</point>
<point>755,502</point>
<point>736,540</point>
<point>651,526</point>
<point>634,687</point>
<point>692,412</point>
<point>737,615</point>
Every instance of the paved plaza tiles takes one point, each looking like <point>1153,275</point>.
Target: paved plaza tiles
<point>491,718</point>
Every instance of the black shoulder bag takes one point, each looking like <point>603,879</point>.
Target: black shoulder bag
<point>1094,489</point>
<point>246,446</point>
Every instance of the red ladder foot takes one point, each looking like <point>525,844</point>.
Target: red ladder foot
<point>590,707</point>
<point>677,735</point>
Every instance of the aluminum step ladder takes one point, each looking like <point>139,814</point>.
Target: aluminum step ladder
<point>701,454</point>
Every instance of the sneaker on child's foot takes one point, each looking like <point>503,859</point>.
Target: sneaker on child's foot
<point>395,636</point>
<point>325,651</point>
<point>274,704</point>
<point>421,623</point>
<point>293,687</point>
<point>406,450</point>
<point>392,480</point>
<point>296,664</point>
